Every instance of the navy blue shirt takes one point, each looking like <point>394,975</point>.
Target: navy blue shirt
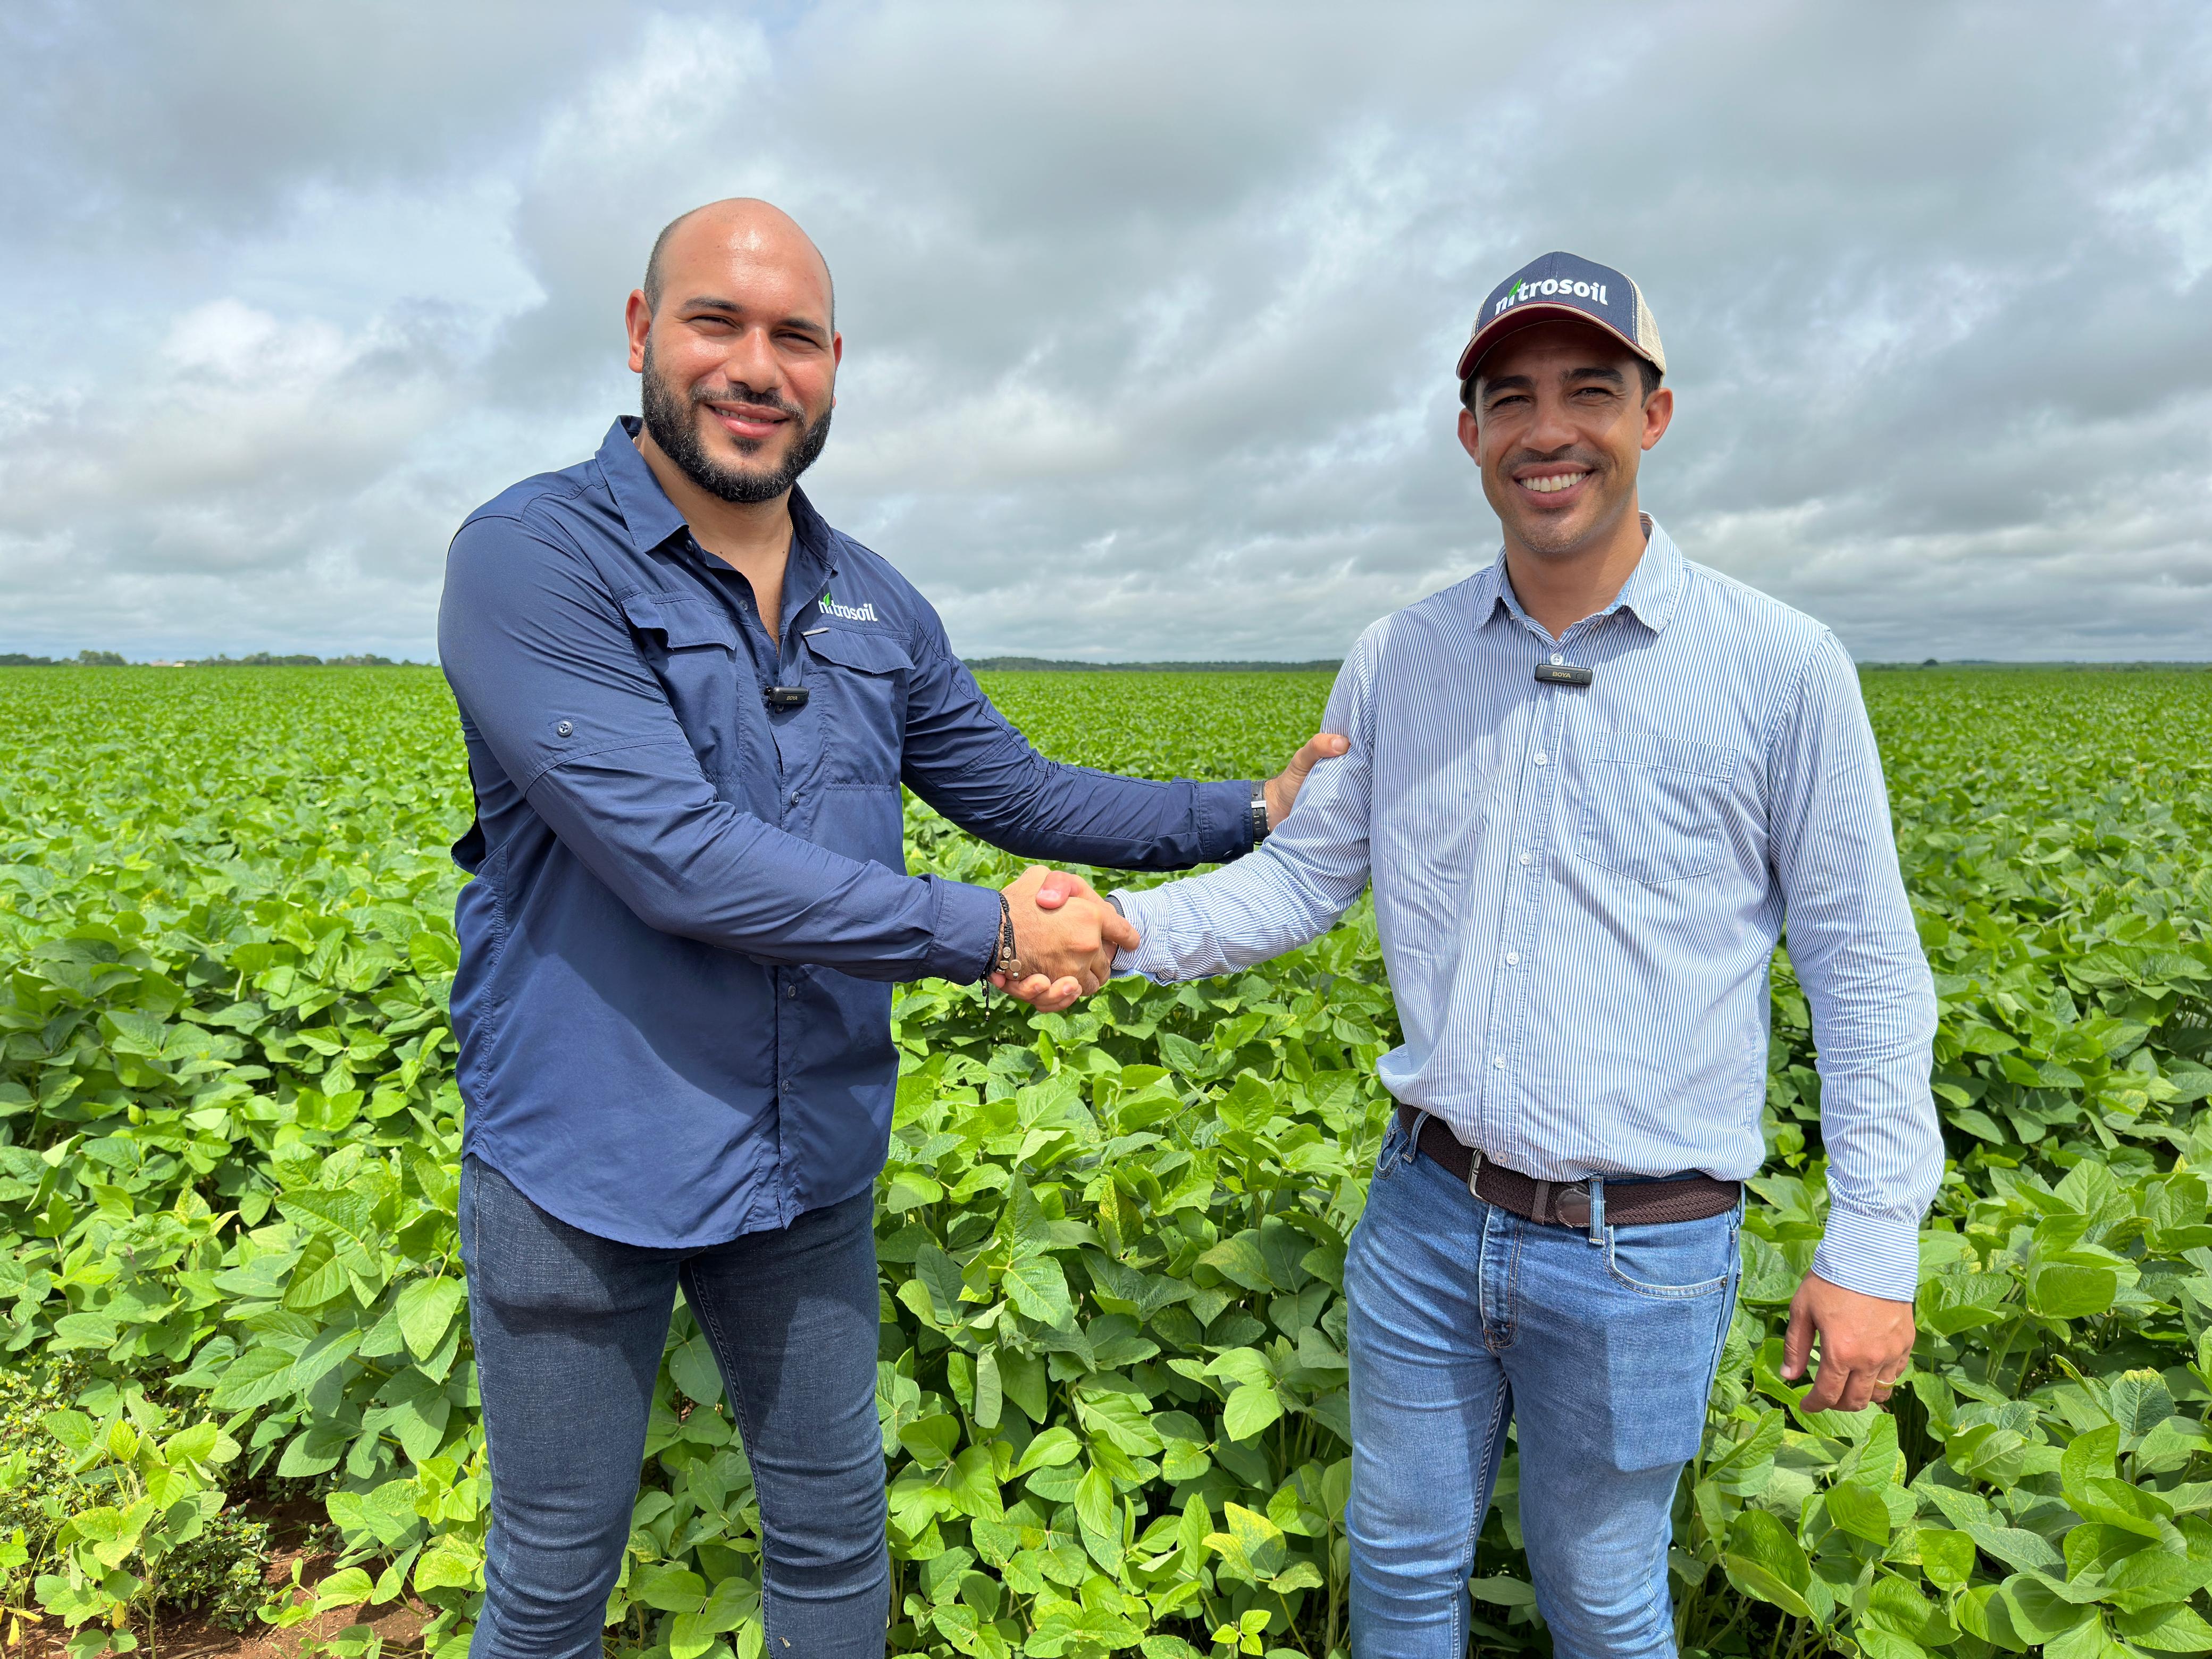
<point>673,1004</point>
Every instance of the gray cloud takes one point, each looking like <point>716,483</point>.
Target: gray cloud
<point>1149,311</point>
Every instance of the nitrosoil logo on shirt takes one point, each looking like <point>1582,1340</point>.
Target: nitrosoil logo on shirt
<point>863,612</point>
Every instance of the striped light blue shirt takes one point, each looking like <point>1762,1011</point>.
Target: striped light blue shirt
<point>1579,889</point>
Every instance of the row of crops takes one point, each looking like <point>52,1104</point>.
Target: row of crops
<point>1111,1370</point>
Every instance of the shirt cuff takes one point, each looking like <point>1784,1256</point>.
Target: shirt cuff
<point>1131,903</point>
<point>1224,821</point>
<point>1874,1255</point>
<point>964,939</point>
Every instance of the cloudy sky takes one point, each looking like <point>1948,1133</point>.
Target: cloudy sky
<point>1149,312</point>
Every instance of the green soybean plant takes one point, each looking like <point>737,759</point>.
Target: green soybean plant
<point>1112,1374</point>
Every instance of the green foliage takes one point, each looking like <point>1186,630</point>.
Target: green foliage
<point>220,1574</point>
<point>216,1570</point>
<point>1111,1371</point>
<point>36,1489</point>
<point>154,1487</point>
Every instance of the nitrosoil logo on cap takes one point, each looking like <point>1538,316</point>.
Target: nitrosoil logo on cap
<point>1565,282</point>
<point>1563,279</point>
<point>1525,289</point>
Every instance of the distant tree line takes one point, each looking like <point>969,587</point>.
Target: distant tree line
<point>257,660</point>
<point>1049,664</point>
<point>263,660</point>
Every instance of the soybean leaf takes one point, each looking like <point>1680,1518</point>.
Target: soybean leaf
<point>426,1307</point>
<point>1763,1561</point>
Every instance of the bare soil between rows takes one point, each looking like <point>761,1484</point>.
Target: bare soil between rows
<point>184,1635</point>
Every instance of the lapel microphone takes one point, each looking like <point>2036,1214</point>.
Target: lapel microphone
<point>1561,673</point>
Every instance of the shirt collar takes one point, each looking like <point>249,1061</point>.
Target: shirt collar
<point>1654,588</point>
<point>813,558</point>
<point>1492,593</point>
<point>646,512</point>
<point>651,518</point>
<point>812,541</point>
<point>1650,594</point>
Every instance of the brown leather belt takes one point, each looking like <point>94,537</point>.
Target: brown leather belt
<point>1561,1204</point>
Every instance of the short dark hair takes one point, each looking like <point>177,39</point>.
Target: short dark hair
<point>1648,371</point>
<point>654,277</point>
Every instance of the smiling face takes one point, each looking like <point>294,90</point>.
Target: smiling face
<point>735,338</point>
<point>1559,426</point>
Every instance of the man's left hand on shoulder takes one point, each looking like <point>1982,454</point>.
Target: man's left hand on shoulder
<point>1866,1344</point>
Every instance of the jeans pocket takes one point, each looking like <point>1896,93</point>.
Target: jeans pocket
<point>1734,1287</point>
<point>1393,1148</point>
<point>1673,1259</point>
<point>1668,1290</point>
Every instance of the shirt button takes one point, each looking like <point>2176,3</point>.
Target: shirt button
<point>1498,1060</point>
<point>1540,757</point>
<point>563,729</point>
<point>1526,858</point>
<point>1512,958</point>
<point>1557,657</point>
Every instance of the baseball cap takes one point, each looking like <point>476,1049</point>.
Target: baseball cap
<point>1565,285</point>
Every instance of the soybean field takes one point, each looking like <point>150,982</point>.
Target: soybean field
<point>1111,1366</point>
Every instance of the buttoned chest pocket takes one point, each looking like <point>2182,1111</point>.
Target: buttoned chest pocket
<point>857,682</point>
<point>1654,809</point>
<point>691,646</point>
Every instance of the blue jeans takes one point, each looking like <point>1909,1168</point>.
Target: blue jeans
<point>569,1330</point>
<point>1465,1317</point>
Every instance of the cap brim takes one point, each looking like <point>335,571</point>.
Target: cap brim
<point>1487,336</point>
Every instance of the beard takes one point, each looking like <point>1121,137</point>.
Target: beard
<point>672,418</point>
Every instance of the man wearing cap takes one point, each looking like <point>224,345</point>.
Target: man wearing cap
<point>1588,784</point>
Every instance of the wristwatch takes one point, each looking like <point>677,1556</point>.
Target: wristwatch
<point>1259,813</point>
<point>1008,960</point>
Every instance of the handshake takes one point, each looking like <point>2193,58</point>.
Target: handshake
<point>1064,939</point>
<point>1065,936</point>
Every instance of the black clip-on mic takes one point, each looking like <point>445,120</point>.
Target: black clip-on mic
<point>789,697</point>
<point>1562,673</point>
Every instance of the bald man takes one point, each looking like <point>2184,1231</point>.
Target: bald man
<point>689,705</point>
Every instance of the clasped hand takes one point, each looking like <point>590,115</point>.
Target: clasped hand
<point>1066,946</point>
<point>1065,936</point>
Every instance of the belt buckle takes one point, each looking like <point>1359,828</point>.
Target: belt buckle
<point>1474,1170</point>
